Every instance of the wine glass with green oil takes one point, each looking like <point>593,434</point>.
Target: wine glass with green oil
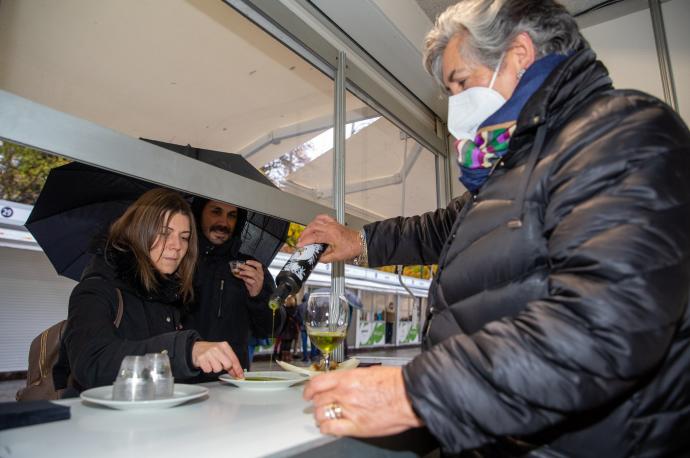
<point>326,323</point>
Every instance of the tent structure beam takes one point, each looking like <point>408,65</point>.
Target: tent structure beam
<point>359,186</point>
<point>372,183</point>
<point>410,160</point>
<point>32,124</point>
<point>302,128</point>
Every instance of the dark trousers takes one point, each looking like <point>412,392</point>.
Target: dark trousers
<point>305,344</point>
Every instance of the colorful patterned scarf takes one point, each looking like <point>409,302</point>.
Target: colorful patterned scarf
<point>477,157</point>
<point>488,145</point>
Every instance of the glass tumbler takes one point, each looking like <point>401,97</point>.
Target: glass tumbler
<point>161,373</point>
<point>134,381</point>
<point>235,266</point>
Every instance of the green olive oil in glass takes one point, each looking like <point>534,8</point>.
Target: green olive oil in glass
<point>326,320</point>
<point>327,341</point>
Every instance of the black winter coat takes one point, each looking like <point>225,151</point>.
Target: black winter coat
<point>559,317</point>
<point>150,323</point>
<point>222,309</point>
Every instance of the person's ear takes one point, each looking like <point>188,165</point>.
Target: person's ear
<point>521,54</point>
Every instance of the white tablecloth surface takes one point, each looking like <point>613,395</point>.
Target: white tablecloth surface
<point>228,422</point>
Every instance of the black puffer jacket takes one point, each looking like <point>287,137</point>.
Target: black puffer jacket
<point>560,318</point>
<point>222,309</point>
<point>150,323</point>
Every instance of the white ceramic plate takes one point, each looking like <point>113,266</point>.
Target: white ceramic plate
<point>280,380</point>
<point>103,395</point>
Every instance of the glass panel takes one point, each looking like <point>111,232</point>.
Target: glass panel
<point>626,46</point>
<point>388,173</point>
<point>371,325</point>
<point>185,73</point>
<point>676,17</point>
<point>408,328</point>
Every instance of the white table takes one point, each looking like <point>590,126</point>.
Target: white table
<point>229,422</point>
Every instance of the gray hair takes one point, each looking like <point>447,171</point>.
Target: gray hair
<point>491,25</point>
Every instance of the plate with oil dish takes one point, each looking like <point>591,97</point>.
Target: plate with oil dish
<point>264,380</point>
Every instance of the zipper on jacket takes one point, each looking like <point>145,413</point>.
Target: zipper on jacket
<point>220,301</point>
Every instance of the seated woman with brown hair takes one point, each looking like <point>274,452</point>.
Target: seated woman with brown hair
<point>149,256</point>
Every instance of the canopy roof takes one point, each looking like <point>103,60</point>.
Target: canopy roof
<point>197,72</point>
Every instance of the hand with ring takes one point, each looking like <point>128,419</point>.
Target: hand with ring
<point>361,402</point>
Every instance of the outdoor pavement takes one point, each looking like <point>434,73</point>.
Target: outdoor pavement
<point>9,388</point>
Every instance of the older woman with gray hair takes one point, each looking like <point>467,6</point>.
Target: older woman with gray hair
<point>559,321</point>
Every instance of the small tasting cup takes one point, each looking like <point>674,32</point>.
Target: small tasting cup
<point>161,373</point>
<point>235,266</point>
<point>134,381</point>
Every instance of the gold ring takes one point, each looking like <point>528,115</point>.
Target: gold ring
<point>334,411</point>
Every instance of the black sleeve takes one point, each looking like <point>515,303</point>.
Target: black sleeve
<point>412,240</point>
<point>94,349</point>
<point>617,220</point>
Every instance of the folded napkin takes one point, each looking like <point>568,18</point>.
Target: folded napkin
<point>348,364</point>
<point>25,413</point>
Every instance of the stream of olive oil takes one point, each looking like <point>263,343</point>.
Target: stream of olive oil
<point>273,305</point>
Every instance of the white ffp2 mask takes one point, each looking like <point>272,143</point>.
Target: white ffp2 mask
<point>468,109</point>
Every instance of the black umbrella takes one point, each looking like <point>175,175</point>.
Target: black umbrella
<point>231,162</point>
<point>262,235</point>
<point>79,202</point>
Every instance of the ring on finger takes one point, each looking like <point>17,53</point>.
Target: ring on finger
<point>333,411</point>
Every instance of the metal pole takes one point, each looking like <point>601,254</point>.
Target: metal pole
<point>663,54</point>
<point>404,179</point>
<point>338,272</point>
<point>444,190</point>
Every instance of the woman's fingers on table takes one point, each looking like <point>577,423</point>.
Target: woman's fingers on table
<point>205,366</point>
<point>236,371</point>
<point>216,365</point>
<point>216,357</point>
<point>230,361</point>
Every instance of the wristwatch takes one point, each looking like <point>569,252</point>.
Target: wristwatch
<point>362,259</point>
